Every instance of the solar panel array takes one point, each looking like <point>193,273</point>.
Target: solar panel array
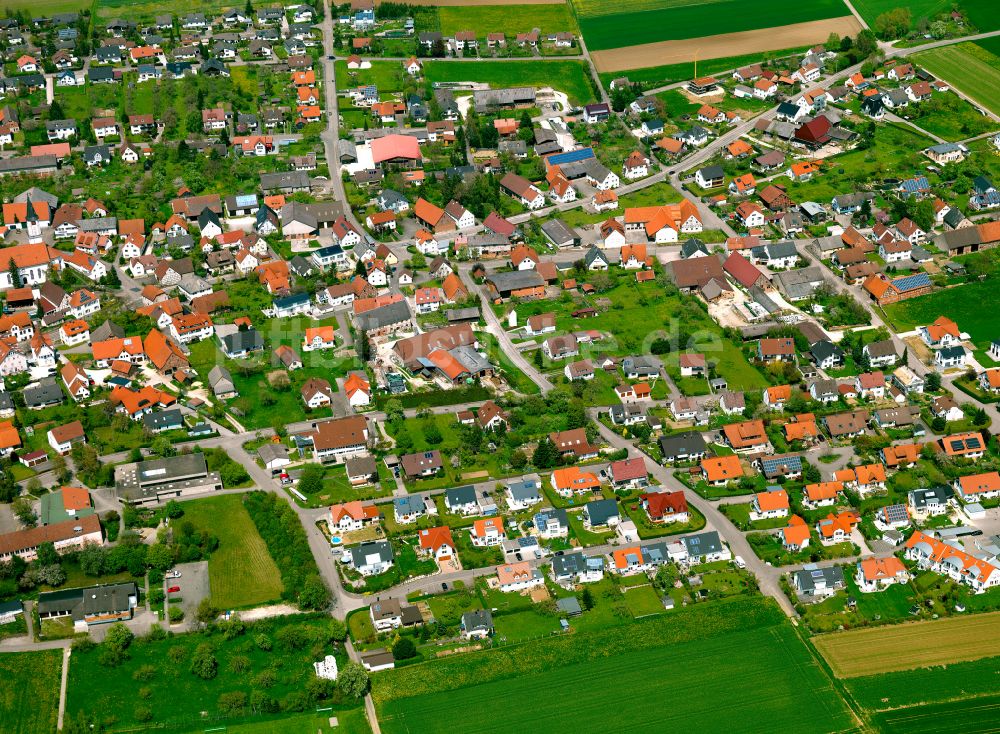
<point>912,282</point>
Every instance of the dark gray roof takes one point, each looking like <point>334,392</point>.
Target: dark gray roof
<point>244,340</point>
<point>505,282</point>
<point>378,318</point>
<point>46,392</point>
<point>457,496</point>
<point>162,420</point>
<point>601,511</point>
<point>682,444</point>
<point>558,232</point>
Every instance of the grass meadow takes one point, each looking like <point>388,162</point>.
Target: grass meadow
<point>872,9</point>
<point>569,76</point>
<point>241,571</point>
<point>697,659</point>
<point>970,68</point>
<point>509,19</point>
<point>963,304</point>
<point>912,688</point>
<point>29,693</point>
<point>679,21</point>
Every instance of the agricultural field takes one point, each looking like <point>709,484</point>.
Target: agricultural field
<point>970,716</point>
<point>912,688</point>
<point>970,68</point>
<point>140,10</point>
<point>939,642</point>
<point>509,19</point>
<point>982,14</point>
<point>46,7</point>
<point>29,696</point>
<point>649,34</point>
<point>569,76</point>
<point>350,721</point>
<point>241,571</point>
<point>689,650</point>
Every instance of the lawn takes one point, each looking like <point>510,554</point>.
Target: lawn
<point>949,117</point>
<point>682,20</point>
<point>29,696</point>
<point>386,75</point>
<point>961,303</point>
<point>970,68</point>
<point>156,686</point>
<point>565,75</point>
<point>643,601</point>
<point>918,644</point>
<point>526,625</point>
<point>510,19</point>
<point>690,651</point>
<point>241,571</point>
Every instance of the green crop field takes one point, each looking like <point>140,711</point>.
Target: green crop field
<point>569,76</point>
<point>241,571</point>
<point>970,68</point>
<point>684,657</point>
<point>509,19</point>
<point>350,721</point>
<point>926,685</point>
<point>871,9</point>
<point>29,691</point>
<point>971,716</point>
<point>982,14</point>
<point>628,27</point>
<point>46,7</point>
<point>962,304</point>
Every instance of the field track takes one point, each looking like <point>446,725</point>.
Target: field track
<point>723,45</point>
<point>912,645</point>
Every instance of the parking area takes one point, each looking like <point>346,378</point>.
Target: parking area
<point>192,586</point>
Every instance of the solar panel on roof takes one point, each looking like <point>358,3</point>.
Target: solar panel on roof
<point>911,282</point>
<point>972,443</point>
<point>572,156</point>
<point>957,445</point>
<point>246,199</point>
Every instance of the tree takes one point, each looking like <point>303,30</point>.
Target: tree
<point>47,555</point>
<point>25,511</point>
<point>938,424</point>
<point>587,599</point>
<point>394,411</point>
<point>932,383</point>
<point>832,42</point>
<point>539,358</point>
<point>118,637</point>
<point>15,274</point>
<point>206,611</point>
<point>162,446</point>
<point>432,434</point>
<point>173,509</point>
<point>866,43</point>
<point>314,595</point>
<point>546,454</point>
<point>892,24</point>
<point>311,480</point>
<point>160,557</point>
<point>979,417</point>
<point>353,680</point>
<point>203,662</point>
<point>404,649</point>
<point>91,559</point>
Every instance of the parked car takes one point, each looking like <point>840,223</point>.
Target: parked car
<point>173,589</point>
<point>173,574</point>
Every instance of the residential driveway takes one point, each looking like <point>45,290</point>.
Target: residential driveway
<point>194,586</point>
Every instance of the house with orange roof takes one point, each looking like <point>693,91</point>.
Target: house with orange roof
<point>795,537</point>
<point>164,354</point>
<point>775,396</point>
<point>738,149</point>
<point>878,574</point>
<point>129,348</point>
<point>629,561</point>
<point>720,470</point>
<point>744,185</point>
<point>803,170</point>
<point>488,532</point>
<point>571,480</point>
<point>191,327</point>
<point>437,542</point>
<point>989,380</point>
<point>10,438</point>
<point>76,331</point>
<point>837,528</point>
<point>319,337</point>
<point>665,223</point>
<point>770,504</point>
<point>516,577</point>
<point>970,445</point>
<point>747,437</point>
<point>942,333</point>
<point>358,390</point>
<point>902,456</point>
<point>976,487</point>
<point>952,560</point>
<point>137,403</point>
<point>821,494</point>
<point>351,516</point>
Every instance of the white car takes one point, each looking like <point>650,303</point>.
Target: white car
<point>173,574</point>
